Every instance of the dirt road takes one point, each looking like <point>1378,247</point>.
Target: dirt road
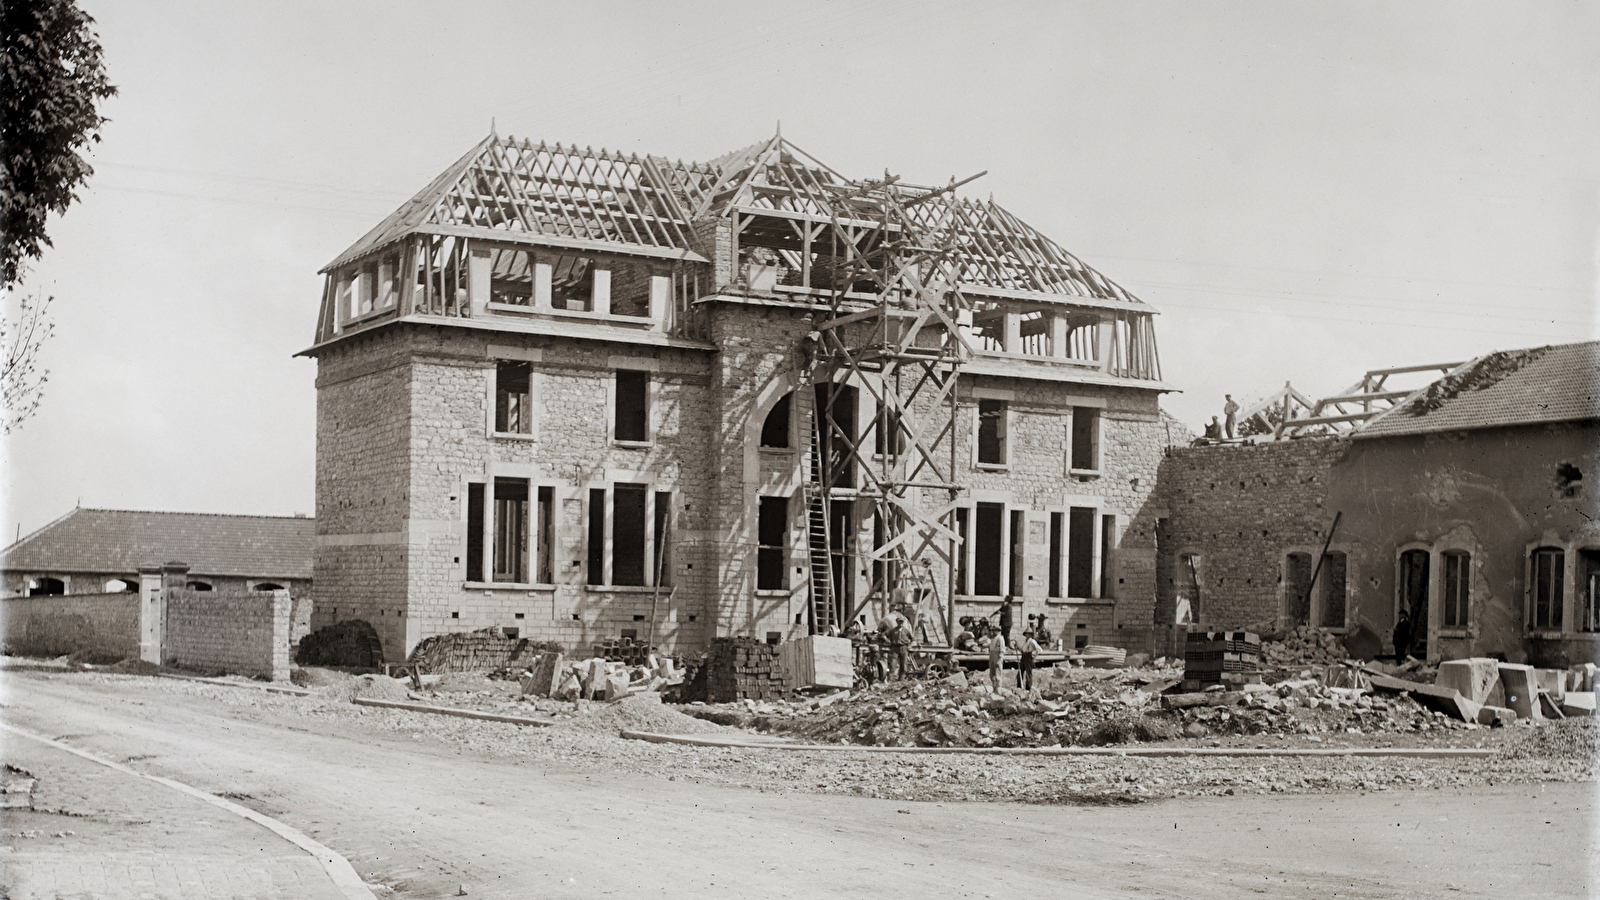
<point>425,819</point>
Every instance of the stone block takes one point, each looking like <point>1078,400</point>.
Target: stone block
<point>1496,715</point>
<point>1581,677</point>
<point>1522,689</point>
<point>1474,678</point>
<point>1548,707</point>
<point>1578,703</point>
<point>1552,682</point>
<point>616,686</point>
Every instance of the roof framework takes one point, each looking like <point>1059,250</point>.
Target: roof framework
<point>520,190</point>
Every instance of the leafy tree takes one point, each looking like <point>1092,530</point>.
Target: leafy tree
<point>52,81</point>
<point>21,378</point>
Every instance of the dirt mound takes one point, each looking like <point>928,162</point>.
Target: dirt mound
<point>379,687</point>
<point>317,676</point>
<point>92,658</point>
<point>132,666</point>
<point>474,682</point>
<point>640,712</point>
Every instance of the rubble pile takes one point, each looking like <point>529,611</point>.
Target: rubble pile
<point>1303,706</point>
<point>552,675</point>
<point>1304,646</point>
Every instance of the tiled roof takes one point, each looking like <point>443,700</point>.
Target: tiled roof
<point>118,540</point>
<point>1512,387</point>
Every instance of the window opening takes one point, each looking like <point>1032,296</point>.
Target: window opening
<point>199,585</point>
<point>511,530</point>
<point>1190,565</point>
<point>772,539</point>
<point>1108,537</point>
<point>627,535</point>
<point>888,438</point>
<point>596,550</point>
<point>842,427</point>
<point>841,536</point>
<point>475,533</point>
<point>988,543</point>
<point>1080,552</point>
<point>1457,575</point>
<point>545,550</point>
<point>512,397</point>
<point>1549,564</point>
<point>1589,599</point>
<point>47,587</point>
<point>991,432</point>
<point>1085,433</point>
<point>571,283</point>
<point>661,552</point>
<point>267,586</point>
<point>1057,521</point>
<point>1297,587</point>
<point>1018,540</point>
<point>633,389</point>
<point>963,585</point>
<point>511,277</point>
<point>1414,578</point>
<point>775,428</point>
<point>1331,587</point>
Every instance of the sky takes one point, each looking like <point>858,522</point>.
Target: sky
<point>1304,190</point>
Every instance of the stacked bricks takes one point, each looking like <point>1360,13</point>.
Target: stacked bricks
<point>352,643</point>
<point>238,633</point>
<point>742,668</point>
<point>480,651</point>
<point>1212,657</point>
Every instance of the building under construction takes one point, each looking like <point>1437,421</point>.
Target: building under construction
<point>590,395</point>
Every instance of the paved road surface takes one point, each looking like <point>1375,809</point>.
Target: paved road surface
<point>425,820</point>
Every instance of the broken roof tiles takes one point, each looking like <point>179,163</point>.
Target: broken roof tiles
<point>1511,387</point>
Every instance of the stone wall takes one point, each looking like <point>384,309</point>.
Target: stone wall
<point>235,632</point>
<point>103,624</point>
<point>1240,509</point>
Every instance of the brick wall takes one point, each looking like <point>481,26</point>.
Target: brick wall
<point>237,632</point>
<point>105,624</point>
<point>1240,508</point>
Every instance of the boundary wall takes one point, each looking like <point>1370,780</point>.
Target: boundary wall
<point>62,624</point>
<point>238,632</point>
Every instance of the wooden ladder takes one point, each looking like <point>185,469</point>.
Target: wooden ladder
<point>818,546</point>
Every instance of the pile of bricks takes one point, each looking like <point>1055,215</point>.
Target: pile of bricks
<point>487,650</point>
<point>743,668</point>
<point>1217,657</point>
<point>352,643</point>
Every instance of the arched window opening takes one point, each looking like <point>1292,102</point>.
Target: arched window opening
<point>199,586</point>
<point>775,429</point>
<point>46,587</point>
<point>121,586</point>
<point>267,586</point>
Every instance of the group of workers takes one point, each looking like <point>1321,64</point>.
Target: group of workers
<point>978,635</point>
<point>884,652</point>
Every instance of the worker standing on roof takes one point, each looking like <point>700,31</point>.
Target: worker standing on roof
<point>1230,413</point>
<point>997,659</point>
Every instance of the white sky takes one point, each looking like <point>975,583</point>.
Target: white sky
<point>1305,190</point>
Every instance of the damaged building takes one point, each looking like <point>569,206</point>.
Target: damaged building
<point>1462,503</point>
<point>585,395</point>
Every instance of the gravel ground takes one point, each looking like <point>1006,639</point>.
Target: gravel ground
<point>584,740</point>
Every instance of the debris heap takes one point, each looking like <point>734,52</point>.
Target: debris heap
<point>1304,646</point>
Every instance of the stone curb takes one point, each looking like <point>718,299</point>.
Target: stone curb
<point>274,688</point>
<point>700,740</point>
<point>451,711</point>
<point>339,870</point>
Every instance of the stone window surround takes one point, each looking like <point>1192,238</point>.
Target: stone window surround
<point>534,485</point>
<point>1029,516</point>
<point>652,368</point>
<point>1097,562</point>
<point>1569,578</point>
<point>1319,595</point>
<point>651,490</point>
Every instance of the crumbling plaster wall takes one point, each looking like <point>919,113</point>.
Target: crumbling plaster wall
<point>1241,508</point>
<point>1491,492</point>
